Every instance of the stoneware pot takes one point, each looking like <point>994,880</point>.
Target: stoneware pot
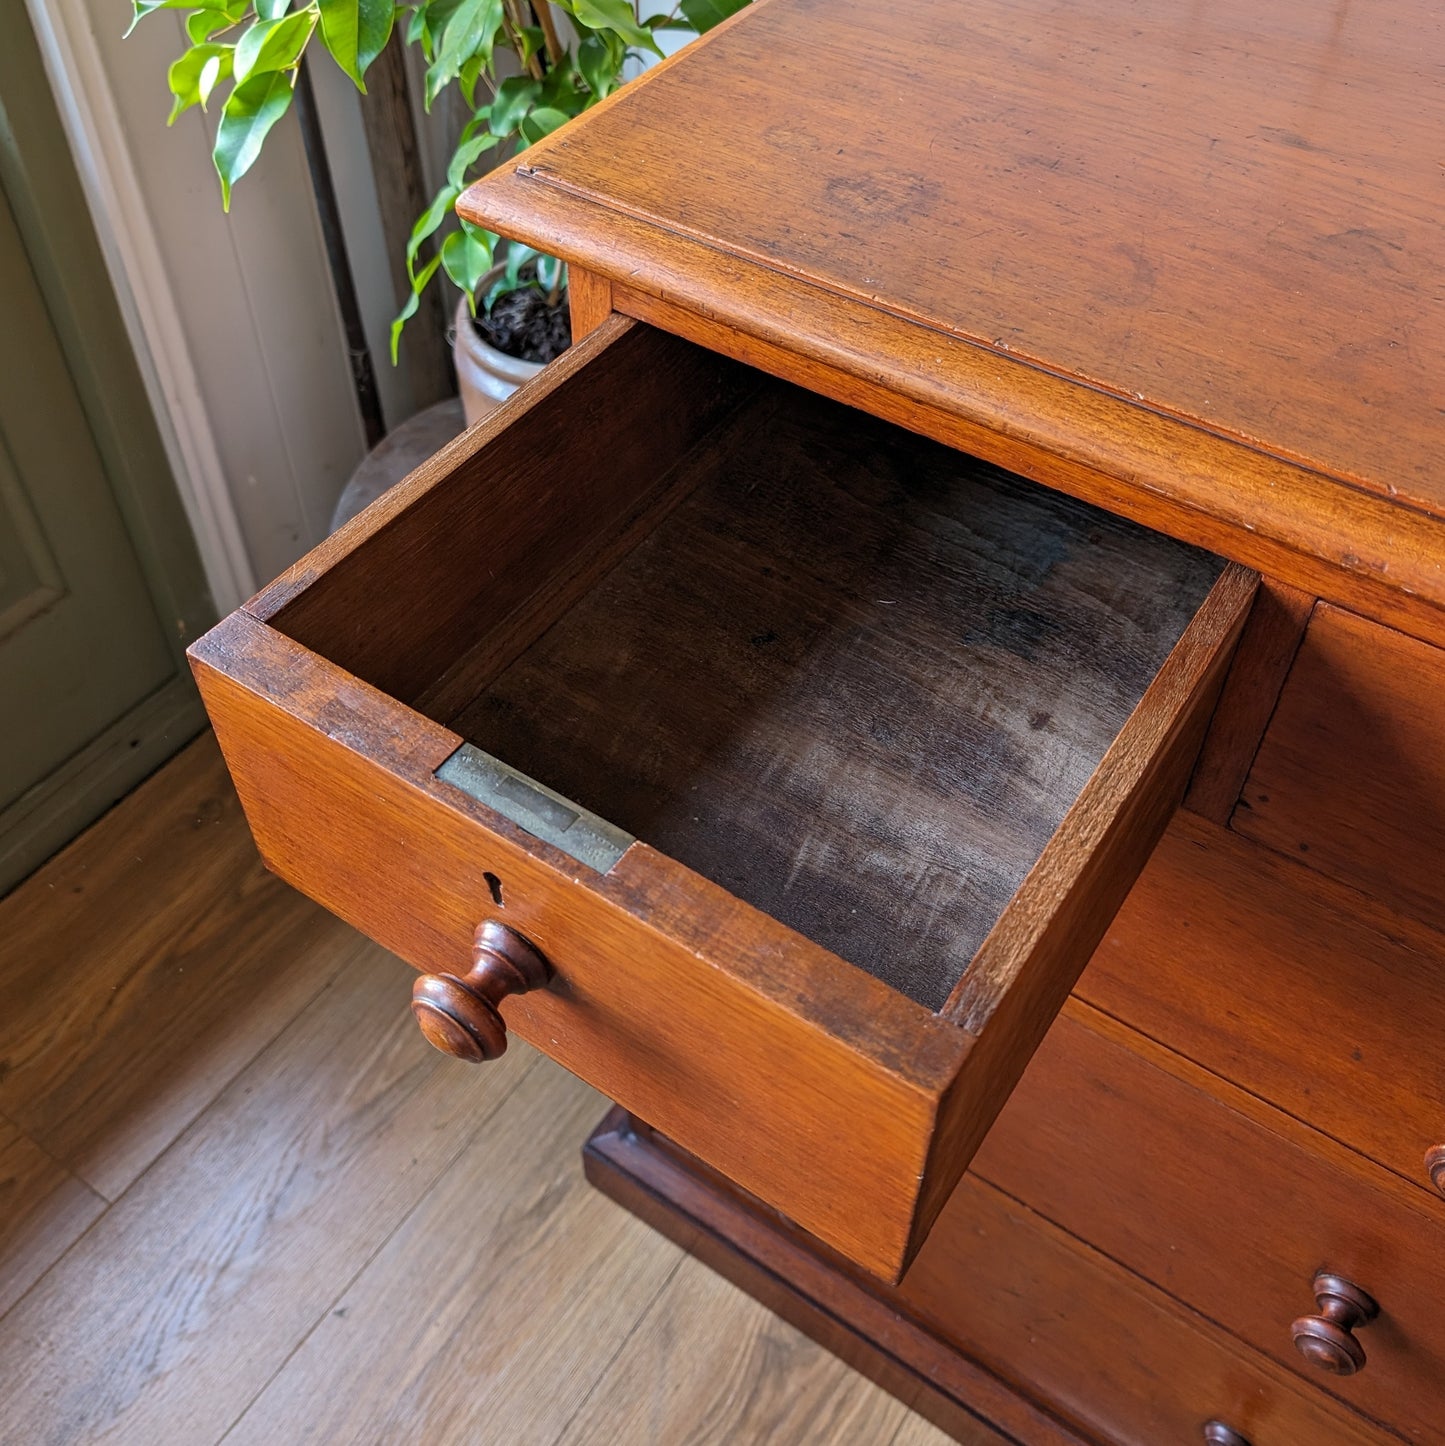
<point>486,377</point>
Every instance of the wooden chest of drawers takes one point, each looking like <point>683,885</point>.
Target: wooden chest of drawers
<point>768,712</point>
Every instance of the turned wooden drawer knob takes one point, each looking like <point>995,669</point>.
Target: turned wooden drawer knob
<point>1218,1434</point>
<point>1435,1166</point>
<point>458,1012</point>
<point>1326,1340</point>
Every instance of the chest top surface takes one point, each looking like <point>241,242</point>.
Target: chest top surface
<point>1224,214</point>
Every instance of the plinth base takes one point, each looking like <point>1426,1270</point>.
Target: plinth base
<point>810,1287</point>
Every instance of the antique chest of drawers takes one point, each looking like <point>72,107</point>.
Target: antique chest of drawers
<point>983,437</point>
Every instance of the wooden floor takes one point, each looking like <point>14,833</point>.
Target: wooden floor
<point>240,1199</point>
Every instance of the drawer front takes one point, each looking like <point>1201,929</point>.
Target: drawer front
<point>1225,1214</point>
<point>1350,778</point>
<point>1300,990</point>
<point>659,993</point>
<point>516,594</point>
<point>1121,1360</point>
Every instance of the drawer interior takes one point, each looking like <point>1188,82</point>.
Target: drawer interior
<point>852,676</point>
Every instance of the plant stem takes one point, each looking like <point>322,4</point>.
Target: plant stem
<point>512,19</point>
<point>543,11</point>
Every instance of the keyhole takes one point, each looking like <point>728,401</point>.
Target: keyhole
<point>495,885</point>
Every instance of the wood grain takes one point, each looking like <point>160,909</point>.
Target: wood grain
<point>1262,661</point>
<point>1103,1347</point>
<point>1299,990</point>
<point>174,1311</point>
<point>1350,778</point>
<point>1313,529</point>
<point>103,1076</point>
<point>262,1228</point>
<point>916,1431</point>
<point>809,1286</point>
<point>1027,122</point>
<point>855,678</point>
<point>44,1209</point>
<point>996,1289</point>
<point>763,1382</point>
<point>893,577</point>
<point>589,300</point>
<point>338,779</point>
<point>339,787</point>
<point>1227,1209</point>
<point>512,509</point>
<point>510,1289</point>
<point>1031,958</point>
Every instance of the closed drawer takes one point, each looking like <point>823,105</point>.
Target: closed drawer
<point>1350,777</point>
<point>1114,1356</point>
<point>1231,1217</point>
<point>1296,988</point>
<point>880,736</point>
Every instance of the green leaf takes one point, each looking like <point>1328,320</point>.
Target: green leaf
<point>466,257</point>
<point>149,7</point>
<point>515,96</point>
<point>532,40</point>
<point>427,223</point>
<point>466,155</point>
<point>616,16</point>
<point>202,24</point>
<point>429,21</point>
<point>542,122</point>
<point>356,32</point>
<point>271,9</point>
<point>272,45</point>
<point>562,88</point>
<point>702,15</point>
<point>195,75</point>
<point>596,65</point>
<point>481,121</point>
<point>418,285</point>
<point>511,278</point>
<point>470,31</point>
<point>251,109</point>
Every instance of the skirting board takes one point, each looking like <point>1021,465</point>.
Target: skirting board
<point>45,818</point>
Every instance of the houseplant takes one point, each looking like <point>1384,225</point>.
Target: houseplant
<point>523,68</point>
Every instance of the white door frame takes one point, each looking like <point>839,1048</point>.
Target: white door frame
<point>97,141</point>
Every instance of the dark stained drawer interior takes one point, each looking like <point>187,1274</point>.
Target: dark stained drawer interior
<point>854,677</point>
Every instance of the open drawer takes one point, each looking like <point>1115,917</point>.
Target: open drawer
<point>812,756</point>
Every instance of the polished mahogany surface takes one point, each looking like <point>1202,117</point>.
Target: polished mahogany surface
<point>1227,211</point>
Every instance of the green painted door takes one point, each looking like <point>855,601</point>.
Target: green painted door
<point>80,642</point>
<point>100,584</point>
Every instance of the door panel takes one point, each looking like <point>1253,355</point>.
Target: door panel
<point>80,642</point>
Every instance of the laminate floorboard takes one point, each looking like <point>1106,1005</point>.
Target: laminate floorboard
<point>44,1209</point>
<point>172,1312</point>
<point>143,967</point>
<point>759,1380</point>
<point>501,1298</point>
<point>322,1230</point>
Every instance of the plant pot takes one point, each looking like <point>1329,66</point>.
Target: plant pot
<point>486,377</point>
